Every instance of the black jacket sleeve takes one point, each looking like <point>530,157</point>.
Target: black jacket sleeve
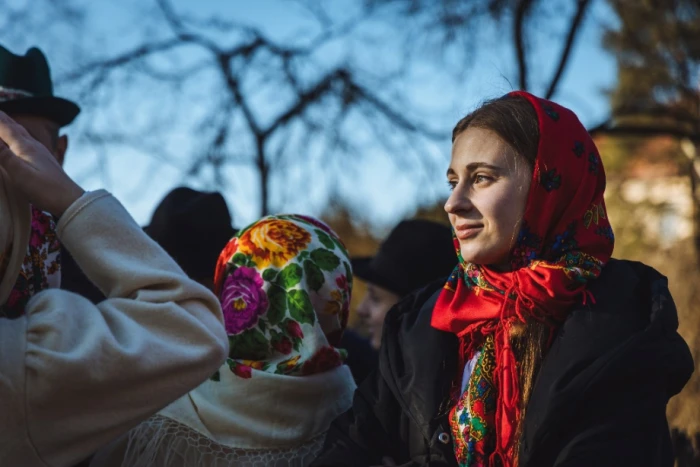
<point>627,428</point>
<point>362,435</point>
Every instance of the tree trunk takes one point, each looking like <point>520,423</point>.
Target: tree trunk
<point>264,173</point>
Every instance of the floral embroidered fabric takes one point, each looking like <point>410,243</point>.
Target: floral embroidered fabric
<point>474,414</point>
<point>284,284</point>
<point>41,268</point>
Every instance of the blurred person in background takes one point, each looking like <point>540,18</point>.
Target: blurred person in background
<point>192,227</point>
<point>415,253</point>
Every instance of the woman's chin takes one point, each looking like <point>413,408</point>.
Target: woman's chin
<point>472,255</point>
<point>476,256</point>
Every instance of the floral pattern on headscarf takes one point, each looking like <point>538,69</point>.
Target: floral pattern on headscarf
<point>284,284</point>
<point>41,268</point>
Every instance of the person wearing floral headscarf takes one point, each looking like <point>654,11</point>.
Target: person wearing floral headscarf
<point>284,284</point>
<point>539,349</point>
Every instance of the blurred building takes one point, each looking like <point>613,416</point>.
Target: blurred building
<point>649,194</point>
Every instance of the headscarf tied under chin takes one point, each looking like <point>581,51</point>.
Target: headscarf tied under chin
<point>564,242</point>
<point>41,268</point>
<point>284,284</point>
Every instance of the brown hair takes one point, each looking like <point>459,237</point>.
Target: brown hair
<point>513,118</point>
<point>515,121</point>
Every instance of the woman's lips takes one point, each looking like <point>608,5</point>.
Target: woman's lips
<point>466,232</point>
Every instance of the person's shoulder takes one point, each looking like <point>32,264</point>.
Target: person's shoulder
<point>621,269</point>
<point>625,286</point>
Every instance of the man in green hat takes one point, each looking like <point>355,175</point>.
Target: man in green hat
<point>26,95</point>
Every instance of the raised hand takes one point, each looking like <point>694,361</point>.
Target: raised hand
<point>33,170</point>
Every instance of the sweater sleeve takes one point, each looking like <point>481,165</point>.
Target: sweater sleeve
<point>77,375</point>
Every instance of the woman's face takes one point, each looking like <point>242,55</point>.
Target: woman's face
<point>490,184</point>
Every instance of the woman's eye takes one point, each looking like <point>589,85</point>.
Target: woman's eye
<point>482,179</point>
<point>451,184</point>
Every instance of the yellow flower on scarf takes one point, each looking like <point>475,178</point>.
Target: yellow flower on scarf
<point>273,242</point>
<point>334,306</point>
<point>287,365</point>
<point>254,364</point>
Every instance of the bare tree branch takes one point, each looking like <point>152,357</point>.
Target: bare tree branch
<point>520,14</point>
<point>394,116</point>
<point>317,100</point>
<point>581,7</point>
<point>607,128</point>
<point>305,99</point>
<point>122,59</point>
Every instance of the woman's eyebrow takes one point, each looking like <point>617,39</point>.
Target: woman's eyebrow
<point>476,165</point>
<point>483,165</point>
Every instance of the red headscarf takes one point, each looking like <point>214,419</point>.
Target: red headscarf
<point>564,241</point>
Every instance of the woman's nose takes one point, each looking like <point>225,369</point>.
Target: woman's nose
<point>458,201</point>
<point>362,311</point>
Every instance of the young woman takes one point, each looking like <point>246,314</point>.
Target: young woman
<point>539,350</point>
<point>284,284</point>
<point>75,375</point>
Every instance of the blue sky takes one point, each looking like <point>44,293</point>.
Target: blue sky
<point>385,197</point>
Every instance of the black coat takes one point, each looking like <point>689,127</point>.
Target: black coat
<point>362,358</point>
<point>599,398</point>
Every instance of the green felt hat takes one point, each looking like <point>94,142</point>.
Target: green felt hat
<point>26,88</point>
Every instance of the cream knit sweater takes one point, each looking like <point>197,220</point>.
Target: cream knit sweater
<point>73,375</point>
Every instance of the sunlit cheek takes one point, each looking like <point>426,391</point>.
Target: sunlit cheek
<point>452,218</point>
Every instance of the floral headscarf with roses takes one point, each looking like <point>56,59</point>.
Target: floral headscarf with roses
<point>284,284</point>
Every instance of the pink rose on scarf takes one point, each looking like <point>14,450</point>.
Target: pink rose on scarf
<point>325,358</point>
<point>242,371</point>
<point>342,282</point>
<point>294,330</point>
<point>283,345</point>
<point>243,300</point>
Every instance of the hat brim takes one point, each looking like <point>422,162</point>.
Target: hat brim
<point>56,109</point>
<point>362,268</point>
